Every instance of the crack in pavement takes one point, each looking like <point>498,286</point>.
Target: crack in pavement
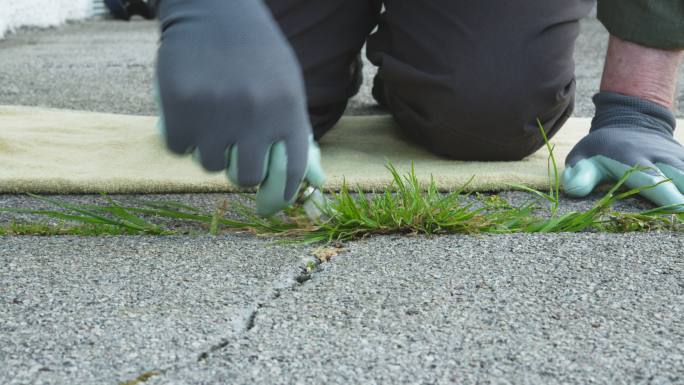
<point>291,280</point>
<point>306,273</point>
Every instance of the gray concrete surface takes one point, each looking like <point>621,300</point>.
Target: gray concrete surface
<point>104,310</point>
<point>108,66</point>
<point>102,66</point>
<point>572,309</point>
<point>545,309</point>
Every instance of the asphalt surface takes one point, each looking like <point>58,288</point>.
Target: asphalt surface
<point>104,310</point>
<point>459,309</point>
<point>108,66</point>
<point>542,309</point>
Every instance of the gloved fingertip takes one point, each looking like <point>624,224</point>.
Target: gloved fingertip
<point>232,171</point>
<point>314,173</point>
<point>662,194</point>
<point>673,173</point>
<point>197,157</point>
<point>315,176</point>
<point>665,195</point>
<point>270,197</point>
<point>581,179</point>
<point>268,209</point>
<point>156,95</point>
<point>267,204</point>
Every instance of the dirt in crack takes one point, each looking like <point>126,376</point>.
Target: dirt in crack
<point>205,355</point>
<point>249,325</point>
<point>303,277</point>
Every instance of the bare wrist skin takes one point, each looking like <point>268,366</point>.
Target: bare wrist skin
<point>636,70</point>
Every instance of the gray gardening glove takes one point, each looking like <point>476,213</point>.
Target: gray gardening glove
<point>628,131</point>
<point>232,92</point>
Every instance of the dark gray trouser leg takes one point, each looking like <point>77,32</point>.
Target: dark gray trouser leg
<point>327,36</point>
<point>468,79</point>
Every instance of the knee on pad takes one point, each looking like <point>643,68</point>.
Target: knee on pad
<point>493,125</point>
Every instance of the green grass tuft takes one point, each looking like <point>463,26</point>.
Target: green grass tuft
<point>404,207</point>
<point>45,229</point>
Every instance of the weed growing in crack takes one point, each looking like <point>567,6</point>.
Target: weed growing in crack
<point>553,196</point>
<point>311,266</point>
<point>404,207</point>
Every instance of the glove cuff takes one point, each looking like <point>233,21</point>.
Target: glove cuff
<point>614,109</point>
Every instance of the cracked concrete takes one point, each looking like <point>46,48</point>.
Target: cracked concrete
<point>563,308</point>
<point>250,313</point>
<point>547,309</point>
<point>586,309</point>
<point>103,310</point>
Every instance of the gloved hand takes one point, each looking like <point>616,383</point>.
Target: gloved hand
<point>628,131</point>
<point>232,92</point>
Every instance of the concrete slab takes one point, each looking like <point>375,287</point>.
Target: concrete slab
<point>108,66</point>
<point>97,65</point>
<point>547,309</point>
<point>105,310</point>
<point>516,309</point>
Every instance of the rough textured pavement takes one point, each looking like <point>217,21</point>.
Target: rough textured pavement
<point>541,309</point>
<point>104,310</point>
<point>460,309</point>
<point>544,309</point>
<point>108,66</point>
